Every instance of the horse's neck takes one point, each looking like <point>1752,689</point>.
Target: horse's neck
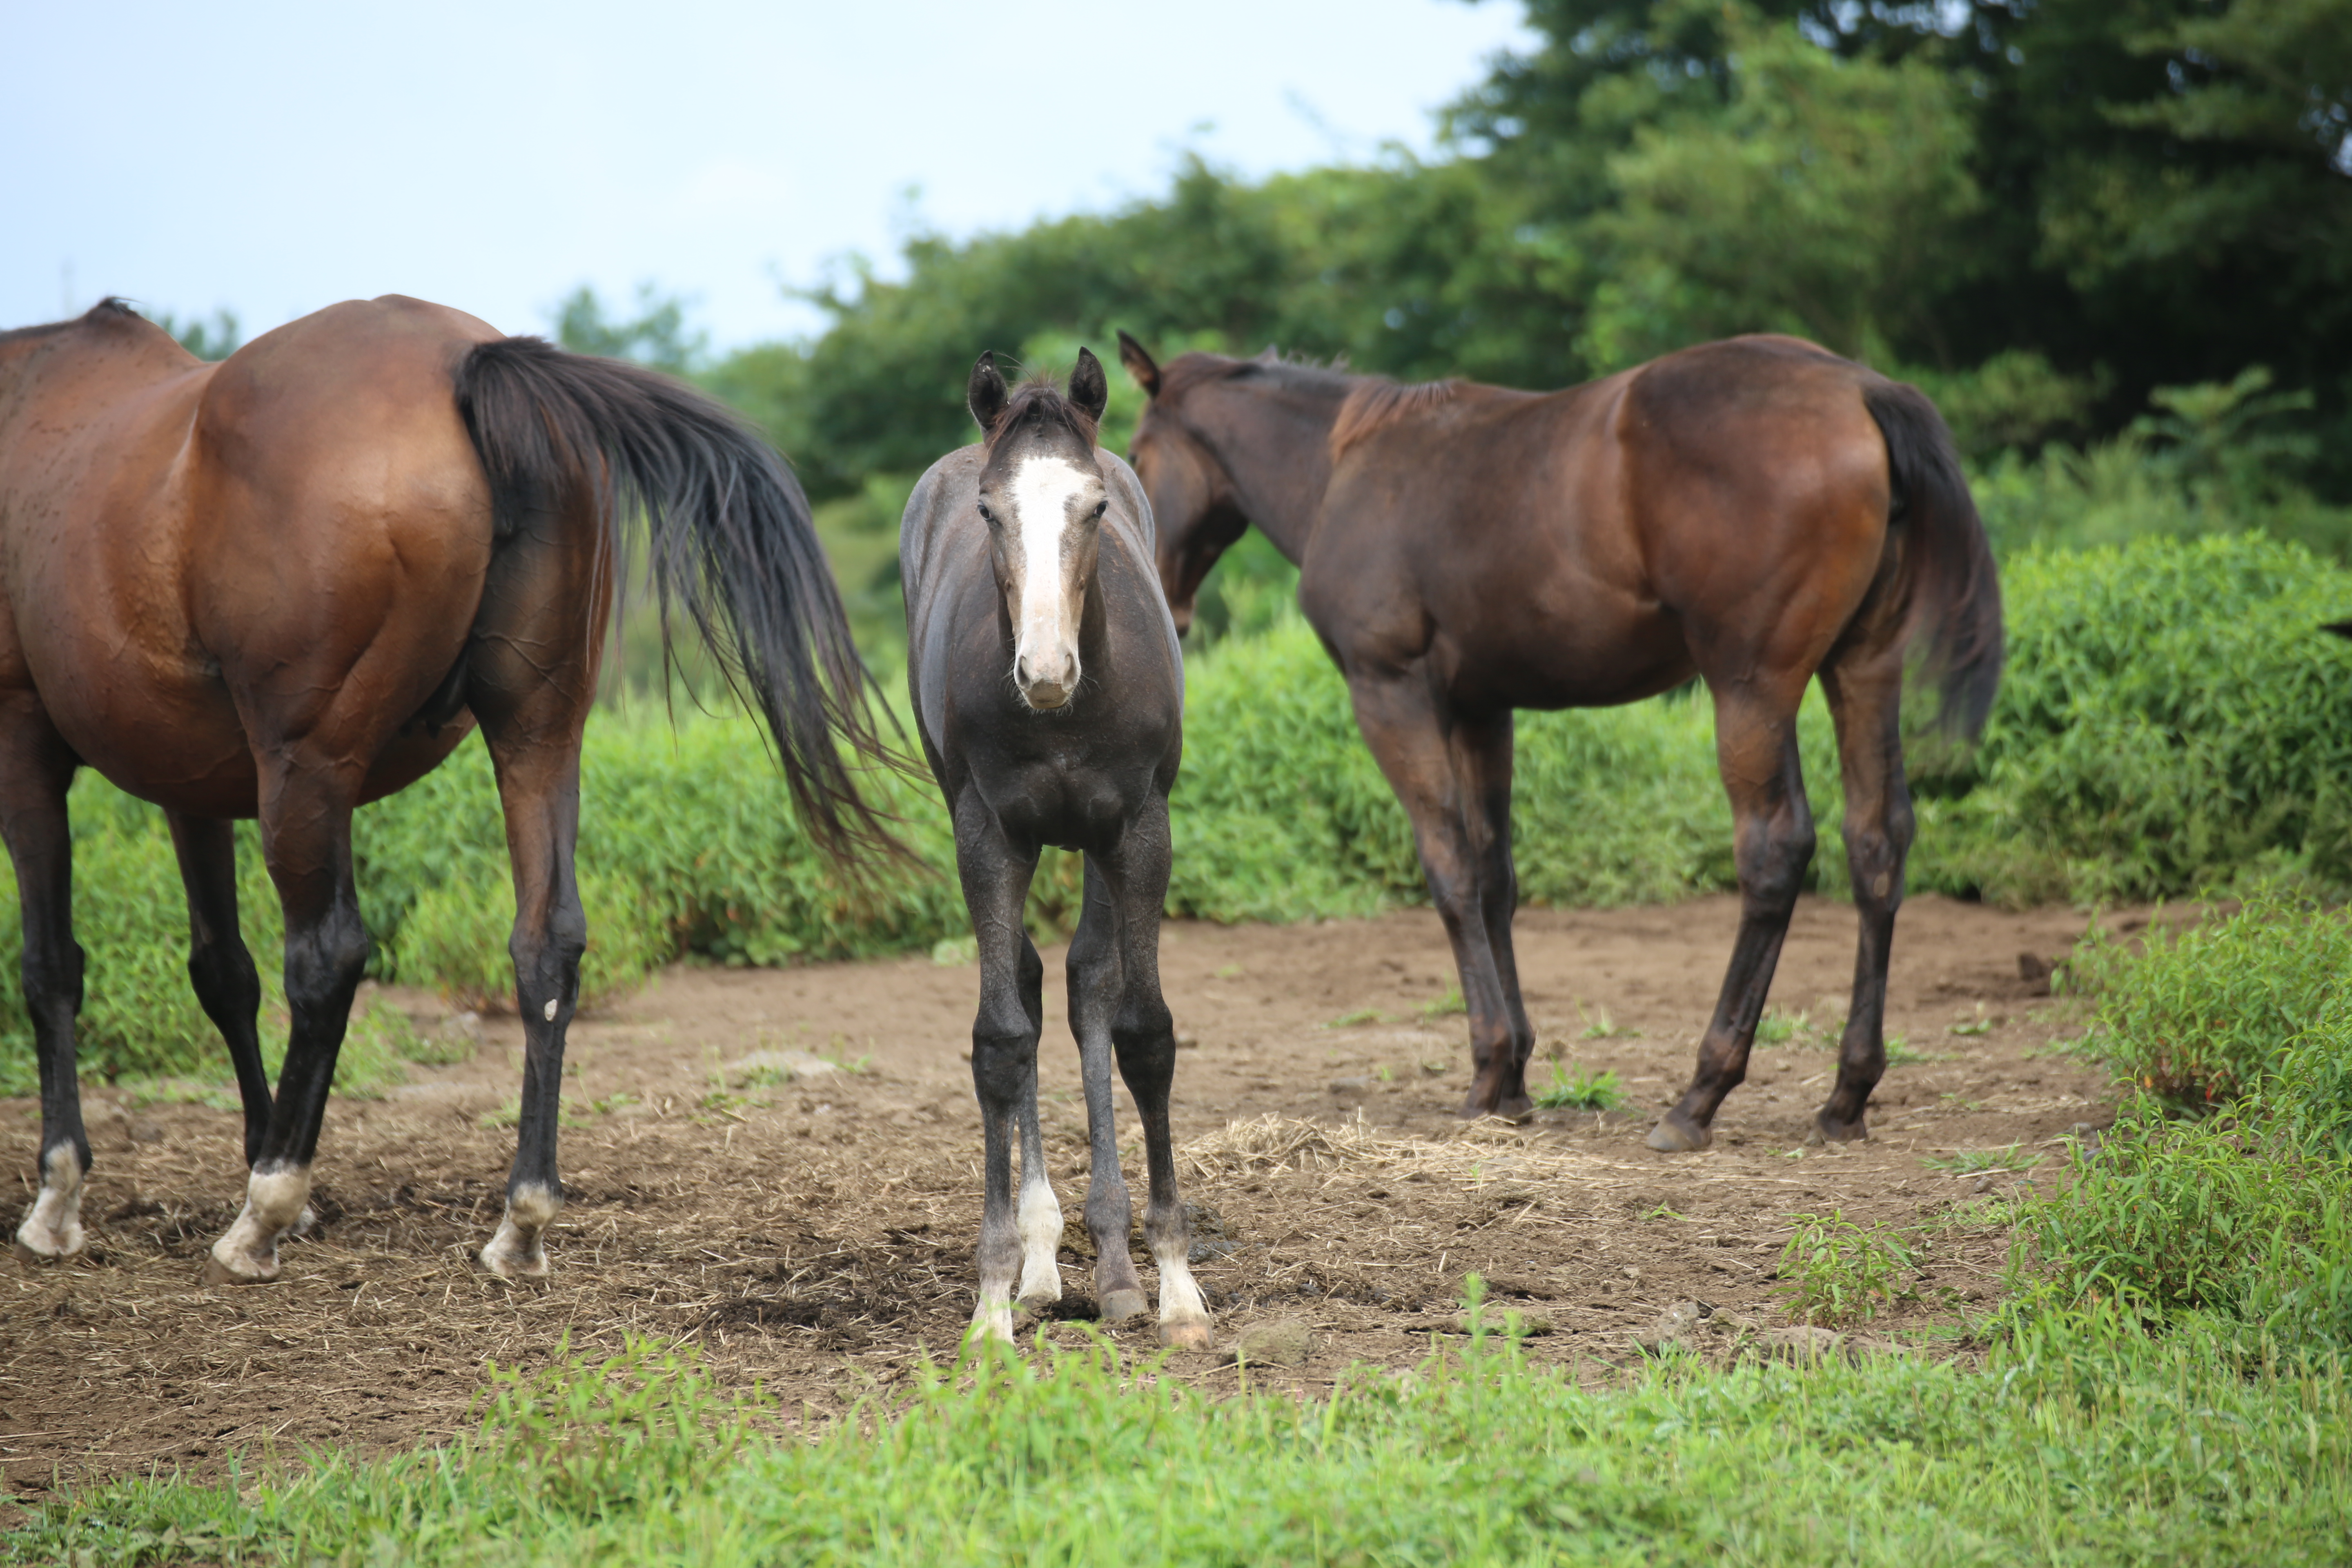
<point>1276,447</point>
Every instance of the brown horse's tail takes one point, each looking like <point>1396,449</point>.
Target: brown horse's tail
<point>1954,590</point>
<point>728,532</point>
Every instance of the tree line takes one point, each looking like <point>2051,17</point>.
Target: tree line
<point>2067,218</point>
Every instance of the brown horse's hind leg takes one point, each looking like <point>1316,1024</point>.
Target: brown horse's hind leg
<point>306,834</point>
<point>1452,776</point>
<point>1757,749</point>
<point>1865,699</point>
<point>35,766</point>
<point>220,968</point>
<point>532,718</point>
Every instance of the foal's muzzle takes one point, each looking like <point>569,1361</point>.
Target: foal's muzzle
<point>1047,680</point>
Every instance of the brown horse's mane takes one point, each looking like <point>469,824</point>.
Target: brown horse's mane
<point>111,308</point>
<point>1375,402</point>
<point>1040,400</point>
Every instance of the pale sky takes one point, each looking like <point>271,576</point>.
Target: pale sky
<point>273,158</point>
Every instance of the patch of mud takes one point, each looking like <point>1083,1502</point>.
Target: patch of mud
<point>814,1230</point>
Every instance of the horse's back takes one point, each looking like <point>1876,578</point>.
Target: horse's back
<point>1563,546</point>
<point>301,526</point>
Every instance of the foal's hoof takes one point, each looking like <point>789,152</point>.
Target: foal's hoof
<point>37,1245</point>
<point>1187,1335</point>
<point>515,1261</point>
<point>1676,1133</point>
<point>1118,1306</point>
<point>240,1271</point>
<point>1828,1129</point>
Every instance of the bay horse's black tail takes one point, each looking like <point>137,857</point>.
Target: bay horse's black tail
<point>729,536</point>
<point>1955,592</point>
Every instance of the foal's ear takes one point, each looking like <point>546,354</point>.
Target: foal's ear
<point>986,396</point>
<point>1139,365</point>
<point>1088,388</point>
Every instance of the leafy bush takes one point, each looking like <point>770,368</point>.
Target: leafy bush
<point>2171,716</point>
<point>2244,1215</point>
<point>2202,1014</point>
<point>1840,1272</point>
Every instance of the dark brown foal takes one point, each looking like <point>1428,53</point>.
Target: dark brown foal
<point>290,582</point>
<point>1756,512</point>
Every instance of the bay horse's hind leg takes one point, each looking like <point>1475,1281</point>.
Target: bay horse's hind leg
<point>1144,1036</point>
<point>36,767</point>
<point>220,968</point>
<point>306,834</point>
<point>1866,699</point>
<point>995,872</point>
<point>533,717</point>
<point>1755,747</point>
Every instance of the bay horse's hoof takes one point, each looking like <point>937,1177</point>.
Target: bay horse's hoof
<point>1515,1108</point>
<point>1678,1134</point>
<point>1118,1306</point>
<point>1187,1335</point>
<point>1830,1129</point>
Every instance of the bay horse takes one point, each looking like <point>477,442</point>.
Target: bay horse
<point>290,582</point>
<point>1756,513</point>
<point>1049,694</point>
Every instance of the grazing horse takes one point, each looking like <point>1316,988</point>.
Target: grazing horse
<point>290,582</point>
<point>1049,693</point>
<point>1755,512</point>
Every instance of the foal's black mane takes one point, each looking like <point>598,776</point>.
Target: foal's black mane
<point>110,309</point>
<point>1038,401</point>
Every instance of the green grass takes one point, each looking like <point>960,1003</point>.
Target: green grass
<point>1579,1089</point>
<point>2088,1446</point>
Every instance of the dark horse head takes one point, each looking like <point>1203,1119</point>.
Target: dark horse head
<point>1196,509</point>
<point>1042,497</point>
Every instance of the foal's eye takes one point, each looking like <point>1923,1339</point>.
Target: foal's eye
<point>986,515</point>
<point>1101,507</point>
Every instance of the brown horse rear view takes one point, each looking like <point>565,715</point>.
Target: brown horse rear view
<point>1756,513</point>
<point>288,584</point>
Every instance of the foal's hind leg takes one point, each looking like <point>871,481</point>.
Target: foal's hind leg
<point>219,966</point>
<point>1145,1039</point>
<point>35,766</point>
<point>1865,699</point>
<point>1756,745</point>
<point>995,872</point>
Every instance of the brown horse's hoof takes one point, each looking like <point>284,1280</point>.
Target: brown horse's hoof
<point>1517,1109</point>
<point>1118,1306</point>
<point>1678,1134</point>
<point>1830,1129</point>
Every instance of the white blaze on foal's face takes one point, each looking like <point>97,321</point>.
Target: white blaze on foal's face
<point>1055,507</point>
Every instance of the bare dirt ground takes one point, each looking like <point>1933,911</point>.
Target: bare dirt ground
<point>816,1235</point>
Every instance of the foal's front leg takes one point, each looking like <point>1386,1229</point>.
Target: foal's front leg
<point>995,872</point>
<point>1144,1036</point>
<point>1095,993</point>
